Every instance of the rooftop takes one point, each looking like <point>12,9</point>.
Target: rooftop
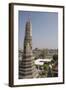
<point>41,61</point>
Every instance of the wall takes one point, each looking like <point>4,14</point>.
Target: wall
<point>4,44</point>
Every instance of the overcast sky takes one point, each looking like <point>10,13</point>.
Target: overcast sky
<point>44,29</point>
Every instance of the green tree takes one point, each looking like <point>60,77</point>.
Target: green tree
<point>55,57</point>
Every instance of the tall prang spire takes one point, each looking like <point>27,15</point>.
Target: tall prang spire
<point>27,67</point>
<point>28,33</point>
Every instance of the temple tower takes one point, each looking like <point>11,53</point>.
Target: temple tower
<point>27,67</point>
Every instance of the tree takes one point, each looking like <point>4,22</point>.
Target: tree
<point>49,74</point>
<point>55,57</point>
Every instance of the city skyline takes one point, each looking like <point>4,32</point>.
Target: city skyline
<point>44,29</point>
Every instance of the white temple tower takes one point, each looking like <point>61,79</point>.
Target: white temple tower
<point>27,67</point>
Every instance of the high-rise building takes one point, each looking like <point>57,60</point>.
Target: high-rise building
<point>27,67</point>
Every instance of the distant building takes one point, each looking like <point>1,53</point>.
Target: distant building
<point>44,53</point>
<point>36,53</point>
<point>40,62</point>
<point>51,52</point>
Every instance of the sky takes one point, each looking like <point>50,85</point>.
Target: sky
<point>44,29</point>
